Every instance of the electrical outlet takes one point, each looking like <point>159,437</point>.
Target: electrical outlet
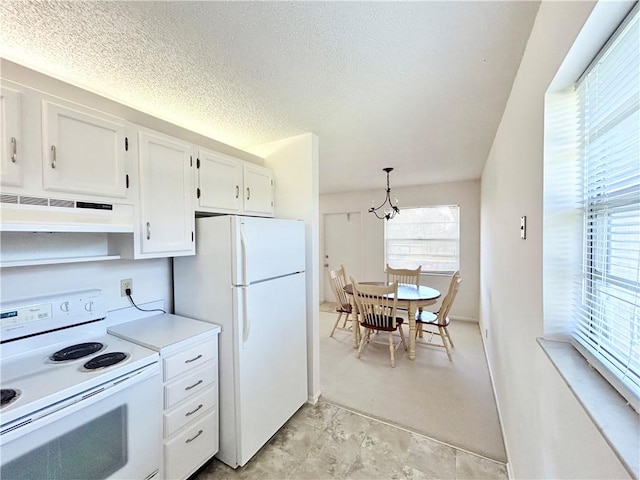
<point>124,284</point>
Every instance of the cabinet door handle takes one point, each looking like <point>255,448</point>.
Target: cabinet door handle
<point>14,150</point>
<point>194,385</point>
<point>193,359</point>
<point>148,231</point>
<point>189,440</point>
<point>248,193</point>
<point>188,414</point>
<point>53,156</point>
<point>237,191</point>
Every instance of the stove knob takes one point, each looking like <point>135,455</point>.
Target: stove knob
<point>65,307</point>
<point>88,306</point>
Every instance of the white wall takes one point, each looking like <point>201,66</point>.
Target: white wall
<point>152,280</point>
<point>547,432</point>
<point>465,194</point>
<point>295,166</point>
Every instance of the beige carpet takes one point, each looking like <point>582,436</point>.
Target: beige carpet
<point>448,401</point>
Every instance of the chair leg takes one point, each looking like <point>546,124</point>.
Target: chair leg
<point>364,339</point>
<point>336,324</point>
<point>344,323</point>
<point>404,344</point>
<point>444,341</point>
<point>446,330</point>
<point>392,350</point>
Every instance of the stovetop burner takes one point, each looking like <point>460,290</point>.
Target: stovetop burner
<point>76,351</point>
<point>105,360</point>
<point>8,395</point>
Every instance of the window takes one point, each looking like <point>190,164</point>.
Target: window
<point>424,236</point>
<point>592,212</point>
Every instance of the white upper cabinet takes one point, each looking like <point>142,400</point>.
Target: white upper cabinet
<point>166,216</point>
<point>219,182</point>
<point>84,152</point>
<point>228,185</point>
<point>11,171</point>
<point>258,190</point>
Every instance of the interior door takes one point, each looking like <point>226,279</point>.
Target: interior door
<point>342,240</point>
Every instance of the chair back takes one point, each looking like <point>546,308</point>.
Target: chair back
<point>338,281</point>
<point>447,302</point>
<point>404,275</point>
<point>377,304</point>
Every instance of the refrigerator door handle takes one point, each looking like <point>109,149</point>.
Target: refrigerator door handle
<point>243,247</point>
<point>246,321</point>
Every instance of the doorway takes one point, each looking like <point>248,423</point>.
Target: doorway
<point>342,240</point>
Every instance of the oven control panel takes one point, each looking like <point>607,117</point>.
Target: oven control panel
<point>26,314</point>
<point>43,314</point>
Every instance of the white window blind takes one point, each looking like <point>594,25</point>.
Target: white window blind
<point>424,236</point>
<point>606,300</point>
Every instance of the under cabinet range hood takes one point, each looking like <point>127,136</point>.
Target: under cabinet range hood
<point>22,213</point>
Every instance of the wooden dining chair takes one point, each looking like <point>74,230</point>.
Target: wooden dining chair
<point>377,306</point>
<point>404,275</point>
<point>437,323</point>
<point>338,280</point>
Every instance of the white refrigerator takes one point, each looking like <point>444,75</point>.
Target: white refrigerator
<point>248,277</point>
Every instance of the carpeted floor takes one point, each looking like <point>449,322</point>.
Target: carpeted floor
<point>448,401</point>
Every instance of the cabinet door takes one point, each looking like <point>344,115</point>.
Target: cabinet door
<point>83,153</point>
<point>166,196</point>
<point>258,190</point>
<point>11,140</point>
<point>219,183</point>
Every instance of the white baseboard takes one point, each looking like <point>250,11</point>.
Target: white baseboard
<point>313,399</point>
<point>495,396</point>
<point>464,319</point>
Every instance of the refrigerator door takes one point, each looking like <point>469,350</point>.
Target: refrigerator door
<point>271,359</point>
<point>266,248</point>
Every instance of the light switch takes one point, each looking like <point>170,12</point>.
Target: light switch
<point>523,227</point>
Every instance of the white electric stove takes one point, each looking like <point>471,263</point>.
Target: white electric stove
<point>76,401</point>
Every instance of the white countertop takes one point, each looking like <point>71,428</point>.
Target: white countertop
<point>161,332</point>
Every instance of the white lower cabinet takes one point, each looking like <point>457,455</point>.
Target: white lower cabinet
<point>192,445</point>
<point>189,356</point>
<point>190,408</point>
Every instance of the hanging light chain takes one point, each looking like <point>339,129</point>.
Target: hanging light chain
<point>388,213</point>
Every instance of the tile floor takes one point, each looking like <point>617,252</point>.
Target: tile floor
<point>328,442</point>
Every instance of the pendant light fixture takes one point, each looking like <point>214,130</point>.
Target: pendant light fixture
<point>390,211</point>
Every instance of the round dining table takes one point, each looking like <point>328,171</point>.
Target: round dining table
<point>409,297</point>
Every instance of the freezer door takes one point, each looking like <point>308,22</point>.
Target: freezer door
<point>271,375</point>
<point>266,248</point>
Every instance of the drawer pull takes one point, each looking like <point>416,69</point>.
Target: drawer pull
<point>189,440</point>
<point>188,414</point>
<point>194,385</point>
<point>193,359</point>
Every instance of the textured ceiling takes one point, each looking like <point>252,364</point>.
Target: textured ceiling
<point>419,86</point>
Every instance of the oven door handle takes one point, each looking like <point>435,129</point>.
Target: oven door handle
<point>50,414</point>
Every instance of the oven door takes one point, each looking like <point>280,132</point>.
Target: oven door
<point>113,431</point>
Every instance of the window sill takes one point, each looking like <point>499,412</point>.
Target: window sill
<point>614,418</point>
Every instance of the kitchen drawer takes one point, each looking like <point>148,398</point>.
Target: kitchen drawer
<point>190,358</point>
<point>191,384</point>
<point>190,410</point>
<point>191,448</point>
